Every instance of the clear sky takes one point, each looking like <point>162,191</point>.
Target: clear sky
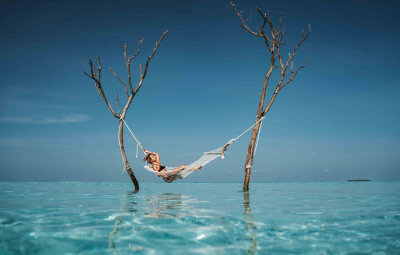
<point>338,120</point>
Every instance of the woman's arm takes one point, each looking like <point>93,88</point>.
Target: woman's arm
<point>155,154</point>
<point>157,157</point>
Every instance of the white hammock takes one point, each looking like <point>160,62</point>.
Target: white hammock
<point>207,157</point>
<point>173,173</point>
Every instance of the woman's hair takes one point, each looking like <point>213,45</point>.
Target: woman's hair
<point>147,158</point>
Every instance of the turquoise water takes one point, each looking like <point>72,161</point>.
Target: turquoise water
<point>200,218</point>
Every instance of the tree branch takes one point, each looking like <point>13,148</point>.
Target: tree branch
<point>98,85</point>
<point>244,25</point>
<point>303,38</point>
<point>280,22</point>
<point>143,74</point>
<point>119,110</point>
<point>126,89</point>
<point>293,75</point>
<point>99,68</point>
<point>128,62</point>
<point>137,52</point>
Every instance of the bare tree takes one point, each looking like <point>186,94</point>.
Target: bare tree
<point>273,40</point>
<point>130,95</point>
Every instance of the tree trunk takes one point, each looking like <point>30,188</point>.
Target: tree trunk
<point>121,116</point>
<point>250,155</point>
<point>124,158</point>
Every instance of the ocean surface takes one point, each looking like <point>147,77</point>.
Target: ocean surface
<point>200,218</point>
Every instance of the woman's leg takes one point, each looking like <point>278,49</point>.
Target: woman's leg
<point>197,168</point>
<point>177,170</point>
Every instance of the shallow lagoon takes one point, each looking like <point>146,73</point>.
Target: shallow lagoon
<point>200,218</point>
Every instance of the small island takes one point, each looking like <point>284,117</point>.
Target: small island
<point>359,180</point>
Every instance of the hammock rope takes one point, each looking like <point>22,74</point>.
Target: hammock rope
<point>258,138</point>
<point>174,173</point>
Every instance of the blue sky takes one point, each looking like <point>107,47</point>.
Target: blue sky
<point>338,120</point>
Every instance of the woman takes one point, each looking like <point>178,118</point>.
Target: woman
<point>154,159</point>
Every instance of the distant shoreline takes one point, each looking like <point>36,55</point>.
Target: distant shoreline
<point>358,180</point>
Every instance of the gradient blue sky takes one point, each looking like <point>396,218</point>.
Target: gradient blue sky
<point>338,120</point>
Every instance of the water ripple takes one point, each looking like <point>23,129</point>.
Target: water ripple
<point>200,218</point>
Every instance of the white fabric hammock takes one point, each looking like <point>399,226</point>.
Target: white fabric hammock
<point>173,173</point>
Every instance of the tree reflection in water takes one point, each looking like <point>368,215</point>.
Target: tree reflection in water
<point>166,209</point>
<point>250,225</point>
<point>128,205</point>
<point>166,205</point>
<point>159,206</point>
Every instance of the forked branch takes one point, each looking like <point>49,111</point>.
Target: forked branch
<point>293,75</point>
<point>303,38</point>
<point>244,25</point>
<point>98,85</point>
<point>96,77</point>
<point>142,75</point>
<point>128,62</point>
<point>274,45</point>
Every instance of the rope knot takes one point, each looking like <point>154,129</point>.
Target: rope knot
<point>232,141</point>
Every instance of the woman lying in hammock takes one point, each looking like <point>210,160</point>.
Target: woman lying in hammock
<point>161,171</point>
